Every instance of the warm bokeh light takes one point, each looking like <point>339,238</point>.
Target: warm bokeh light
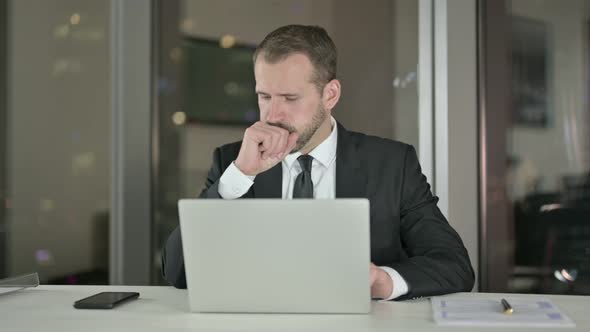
<point>227,41</point>
<point>75,19</point>
<point>179,118</point>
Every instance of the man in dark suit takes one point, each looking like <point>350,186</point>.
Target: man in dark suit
<point>298,150</point>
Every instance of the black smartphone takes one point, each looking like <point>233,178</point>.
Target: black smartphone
<point>105,300</point>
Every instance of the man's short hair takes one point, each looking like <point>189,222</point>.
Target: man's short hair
<point>312,41</point>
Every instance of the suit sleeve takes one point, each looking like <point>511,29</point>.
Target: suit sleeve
<point>212,182</point>
<point>172,257</point>
<point>437,261</point>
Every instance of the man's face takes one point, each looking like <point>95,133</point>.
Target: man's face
<point>288,98</point>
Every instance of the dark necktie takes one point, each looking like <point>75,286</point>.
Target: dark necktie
<point>303,187</point>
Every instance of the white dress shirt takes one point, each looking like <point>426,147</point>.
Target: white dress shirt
<point>234,184</point>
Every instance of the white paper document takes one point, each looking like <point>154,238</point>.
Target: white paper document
<point>528,312</point>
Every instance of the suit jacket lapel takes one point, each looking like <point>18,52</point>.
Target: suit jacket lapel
<point>269,184</point>
<point>351,176</point>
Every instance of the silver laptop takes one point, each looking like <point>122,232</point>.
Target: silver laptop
<point>276,256</point>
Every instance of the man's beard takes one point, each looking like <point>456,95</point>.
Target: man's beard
<point>305,136</point>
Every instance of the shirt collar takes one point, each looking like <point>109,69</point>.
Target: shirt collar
<point>323,153</point>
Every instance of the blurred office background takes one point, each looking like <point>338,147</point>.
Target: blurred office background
<point>110,112</point>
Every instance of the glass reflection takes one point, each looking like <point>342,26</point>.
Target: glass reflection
<point>548,146</point>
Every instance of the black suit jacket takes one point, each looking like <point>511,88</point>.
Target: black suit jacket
<point>408,231</point>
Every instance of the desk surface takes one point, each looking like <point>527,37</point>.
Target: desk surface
<point>49,308</point>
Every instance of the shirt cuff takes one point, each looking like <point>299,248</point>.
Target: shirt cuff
<point>233,183</point>
<point>400,287</point>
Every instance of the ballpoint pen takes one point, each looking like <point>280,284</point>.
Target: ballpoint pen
<point>507,307</point>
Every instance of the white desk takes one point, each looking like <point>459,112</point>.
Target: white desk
<point>49,308</point>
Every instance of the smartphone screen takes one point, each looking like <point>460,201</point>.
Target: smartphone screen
<point>105,300</point>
